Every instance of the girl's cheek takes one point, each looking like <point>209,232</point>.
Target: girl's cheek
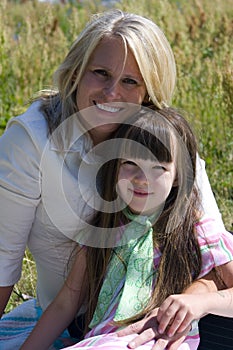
<point>123,174</point>
<point>130,173</point>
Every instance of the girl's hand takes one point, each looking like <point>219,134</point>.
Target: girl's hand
<point>147,330</point>
<point>178,311</point>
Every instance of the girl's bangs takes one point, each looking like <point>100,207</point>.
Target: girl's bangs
<point>154,145</point>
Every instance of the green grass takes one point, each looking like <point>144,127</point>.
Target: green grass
<point>34,38</point>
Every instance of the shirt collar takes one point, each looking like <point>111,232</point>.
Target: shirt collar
<point>71,136</point>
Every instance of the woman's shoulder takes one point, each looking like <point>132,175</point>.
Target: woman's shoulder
<point>32,118</point>
<point>31,124</point>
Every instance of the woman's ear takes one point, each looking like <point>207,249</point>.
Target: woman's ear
<point>74,77</point>
<point>146,100</point>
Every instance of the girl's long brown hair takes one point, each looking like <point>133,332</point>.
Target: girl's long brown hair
<point>169,137</point>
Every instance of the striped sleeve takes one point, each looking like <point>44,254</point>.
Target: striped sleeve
<point>216,246</point>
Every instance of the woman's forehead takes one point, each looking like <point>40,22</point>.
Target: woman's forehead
<point>112,54</point>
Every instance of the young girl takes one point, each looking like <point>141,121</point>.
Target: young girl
<point>153,240</point>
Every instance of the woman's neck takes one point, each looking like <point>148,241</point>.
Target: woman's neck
<point>98,137</point>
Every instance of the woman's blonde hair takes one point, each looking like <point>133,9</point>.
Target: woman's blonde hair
<point>147,43</point>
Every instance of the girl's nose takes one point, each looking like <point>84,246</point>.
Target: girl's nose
<point>140,178</point>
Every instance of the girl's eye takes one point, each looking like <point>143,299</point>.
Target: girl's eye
<point>129,81</point>
<point>128,162</point>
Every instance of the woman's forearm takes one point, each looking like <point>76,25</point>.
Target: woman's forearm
<point>220,303</point>
<point>179,310</point>
<point>202,285</point>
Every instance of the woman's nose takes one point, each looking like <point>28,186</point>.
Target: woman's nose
<point>112,89</point>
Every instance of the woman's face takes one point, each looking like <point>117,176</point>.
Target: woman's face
<point>110,87</point>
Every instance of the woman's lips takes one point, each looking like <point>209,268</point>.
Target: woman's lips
<point>106,107</point>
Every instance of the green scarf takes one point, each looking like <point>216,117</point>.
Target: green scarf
<point>133,277</point>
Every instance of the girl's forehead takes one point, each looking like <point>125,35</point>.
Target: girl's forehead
<point>149,145</point>
<point>143,163</point>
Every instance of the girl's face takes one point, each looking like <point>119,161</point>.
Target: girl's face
<point>144,185</point>
<point>108,86</point>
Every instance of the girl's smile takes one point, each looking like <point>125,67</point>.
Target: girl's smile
<point>144,185</point>
<point>140,192</point>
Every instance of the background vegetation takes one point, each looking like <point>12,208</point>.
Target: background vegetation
<point>34,37</point>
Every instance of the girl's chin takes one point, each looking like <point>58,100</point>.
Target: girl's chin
<point>146,211</point>
<point>140,211</point>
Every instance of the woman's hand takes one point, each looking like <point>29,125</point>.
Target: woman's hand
<point>147,330</point>
<point>178,311</point>
<point>170,323</point>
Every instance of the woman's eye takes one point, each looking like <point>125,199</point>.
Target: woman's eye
<point>129,81</point>
<point>159,167</point>
<point>101,72</point>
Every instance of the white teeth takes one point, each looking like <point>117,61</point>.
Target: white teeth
<point>107,108</point>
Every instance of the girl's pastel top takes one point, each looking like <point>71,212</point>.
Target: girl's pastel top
<point>216,249</point>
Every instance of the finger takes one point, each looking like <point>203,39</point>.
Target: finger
<point>140,326</point>
<point>144,337</point>
<point>136,327</point>
<point>169,315</point>
<point>163,309</point>
<point>161,344</point>
<point>186,324</point>
<point>176,344</point>
<point>180,318</point>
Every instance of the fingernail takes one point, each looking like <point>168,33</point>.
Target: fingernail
<point>132,345</point>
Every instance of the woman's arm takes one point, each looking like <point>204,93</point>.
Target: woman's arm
<point>19,197</point>
<point>62,310</point>
<point>208,202</point>
<point>147,329</point>
<point>178,311</point>
<point>221,302</point>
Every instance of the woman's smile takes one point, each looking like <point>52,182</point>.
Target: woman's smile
<point>107,107</point>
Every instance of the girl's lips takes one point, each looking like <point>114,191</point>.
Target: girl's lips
<point>140,193</point>
<point>107,107</point>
